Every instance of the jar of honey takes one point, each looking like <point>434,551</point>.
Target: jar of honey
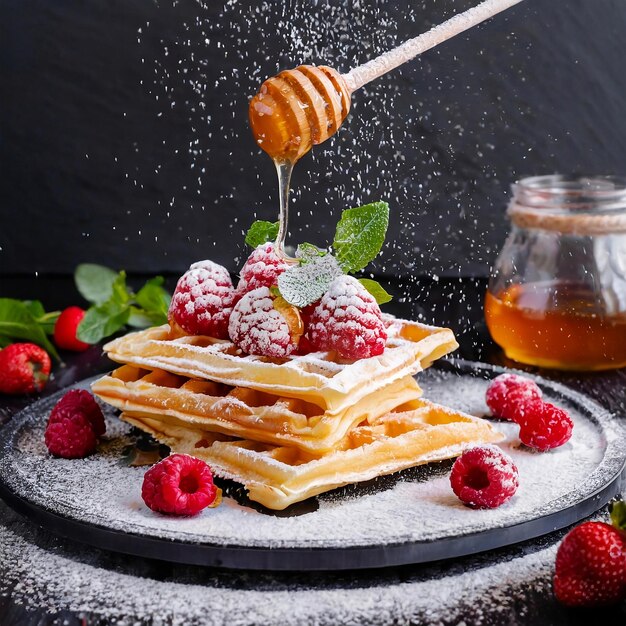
<point>557,293</point>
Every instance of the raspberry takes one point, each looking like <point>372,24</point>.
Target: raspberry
<point>70,435</point>
<point>508,394</point>
<point>545,426</point>
<point>257,327</point>
<point>590,567</point>
<point>203,300</point>
<point>24,368</point>
<point>80,401</point>
<point>484,477</point>
<point>262,269</point>
<point>66,327</point>
<point>179,485</point>
<point>348,320</point>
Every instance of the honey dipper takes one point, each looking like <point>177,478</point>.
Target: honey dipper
<point>300,108</point>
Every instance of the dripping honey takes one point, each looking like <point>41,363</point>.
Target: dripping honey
<point>559,327</point>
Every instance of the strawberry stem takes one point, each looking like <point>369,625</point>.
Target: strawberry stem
<point>617,510</point>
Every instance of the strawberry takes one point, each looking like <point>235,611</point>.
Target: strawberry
<point>591,564</point>
<point>66,327</point>
<point>24,368</point>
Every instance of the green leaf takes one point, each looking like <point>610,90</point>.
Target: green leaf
<point>5,341</point>
<point>154,301</point>
<point>17,322</point>
<point>120,293</point>
<point>308,251</point>
<point>275,291</point>
<point>103,320</point>
<point>618,514</point>
<point>302,285</point>
<point>35,308</point>
<point>48,321</point>
<point>94,282</point>
<point>261,232</point>
<point>377,290</point>
<point>360,235</point>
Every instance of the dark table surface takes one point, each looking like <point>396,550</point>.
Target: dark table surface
<point>456,303</point>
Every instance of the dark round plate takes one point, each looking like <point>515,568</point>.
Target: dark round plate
<point>409,517</point>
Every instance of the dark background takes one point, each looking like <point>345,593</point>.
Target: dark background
<point>124,137</point>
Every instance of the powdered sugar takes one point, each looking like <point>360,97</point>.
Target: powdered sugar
<point>101,490</point>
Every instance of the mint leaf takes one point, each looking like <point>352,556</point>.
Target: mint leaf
<point>138,318</point>
<point>17,322</point>
<point>302,285</point>
<point>261,232</point>
<point>48,321</point>
<point>377,290</point>
<point>120,293</point>
<point>360,235</point>
<point>307,251</point>
<point>35,308</point>
<point>618,514</point>
<point>5,341</point>
<point>103,320</point>
<point>275,291</point>
<point>154,301</point>
<point>94,282</point>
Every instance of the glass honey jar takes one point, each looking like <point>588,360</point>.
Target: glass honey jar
<point>557,293</point>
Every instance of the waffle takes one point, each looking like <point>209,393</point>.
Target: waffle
<point>320,378</point>
<point>277,476</point>
<point>243,412</point>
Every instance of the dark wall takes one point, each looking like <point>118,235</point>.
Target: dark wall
<point>124,137</point>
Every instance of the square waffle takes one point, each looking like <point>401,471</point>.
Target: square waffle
<point>276,476</point>
<point>320,378</point>
<point>243,412</point>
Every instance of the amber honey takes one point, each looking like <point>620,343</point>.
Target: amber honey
<point>559,327</point>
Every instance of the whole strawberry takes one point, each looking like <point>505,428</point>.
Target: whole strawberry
<point>591,565</point>
<point>24,368</point>
<point>347,320</point>
<point>66,327</point>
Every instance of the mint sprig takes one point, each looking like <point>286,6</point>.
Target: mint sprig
<point>360,235</point>
<point>305,283</point>
<point>26,321</point>
<point>261,232</point>
<point>115,305</point>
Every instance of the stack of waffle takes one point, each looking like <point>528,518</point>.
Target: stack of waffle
<point>288,429</point>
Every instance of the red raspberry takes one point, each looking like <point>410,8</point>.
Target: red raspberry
<point>348,320</point>
<point>508,394</point>
<point>591,566</point>
<point>545,426</point>
<point>262,269</point>
<point>24,368</point>
<point>66,327</point>
<point>70,435</point>
<point>203,300</point>
<point>80,401</point>
<point>257,327</point>
<point>179,485</point>
<point>484,477</point>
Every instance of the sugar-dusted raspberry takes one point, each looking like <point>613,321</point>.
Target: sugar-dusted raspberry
<point>203,300</point>
<point>545,426</point>
<point>257,327</point>
<point>70,435</point>
<point>508,394</point>
<point>262,269</point>
<point>348,320</point>
<point>179,485</point>
<point>484,477</point>
<point>80,401</point>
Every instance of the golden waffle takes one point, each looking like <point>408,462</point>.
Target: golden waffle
<point>242,412</point>
<point>320,378</point>
<point>277,476</point>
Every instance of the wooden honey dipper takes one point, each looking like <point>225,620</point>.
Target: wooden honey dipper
<point>303,107</point>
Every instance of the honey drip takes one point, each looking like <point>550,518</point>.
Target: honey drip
<point>556,326</point>
<point>292,112</point>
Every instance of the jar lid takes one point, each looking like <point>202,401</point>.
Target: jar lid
<point>583,205</point>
